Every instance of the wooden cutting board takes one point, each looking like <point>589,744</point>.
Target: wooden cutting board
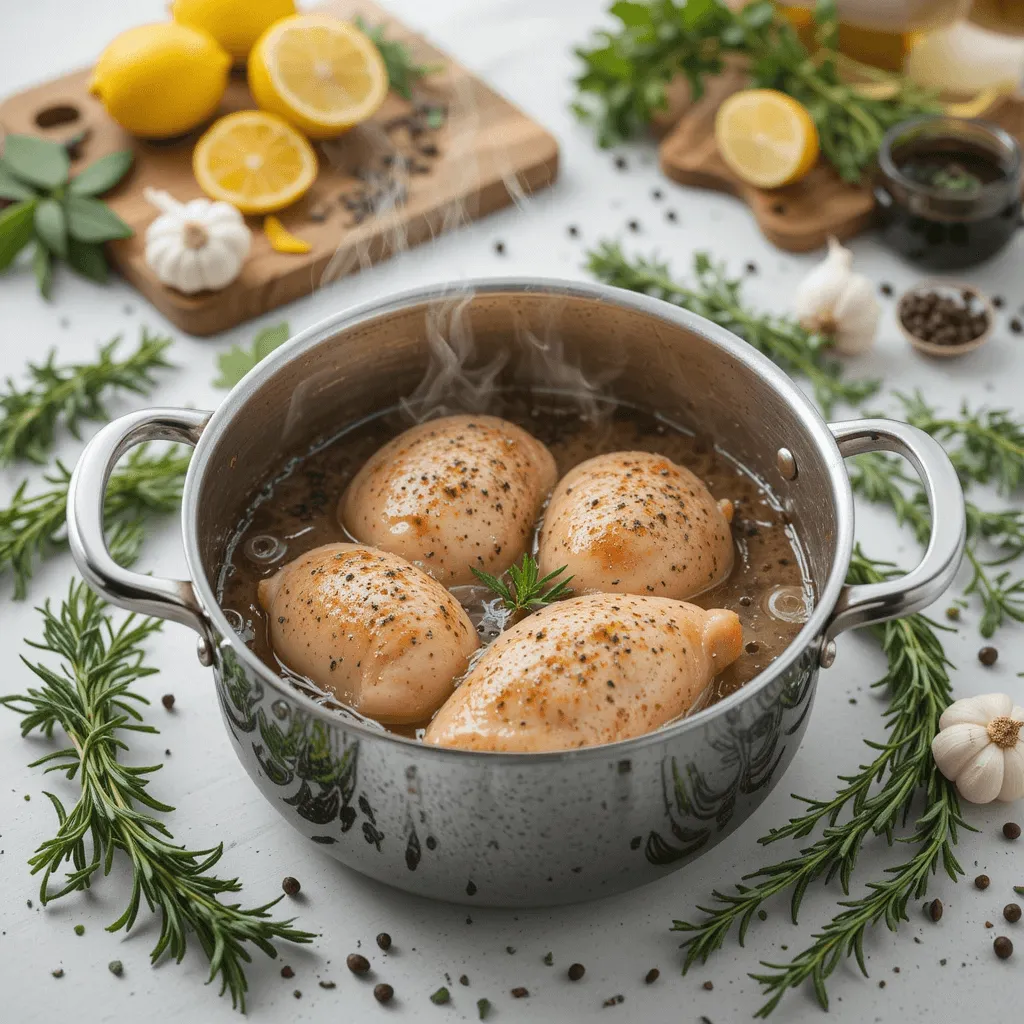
<point>485,153</point>
<point>799,217</point>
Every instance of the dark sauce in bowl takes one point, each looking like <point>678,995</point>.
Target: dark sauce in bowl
<point>769,587</point>
<point>948,191</point>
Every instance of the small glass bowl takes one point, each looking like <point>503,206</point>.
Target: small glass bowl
<point>937,228</point>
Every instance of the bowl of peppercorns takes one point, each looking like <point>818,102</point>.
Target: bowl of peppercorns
<point>945,319</point>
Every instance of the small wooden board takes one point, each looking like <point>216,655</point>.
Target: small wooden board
<point>799,217</point>
<point>487,151</point>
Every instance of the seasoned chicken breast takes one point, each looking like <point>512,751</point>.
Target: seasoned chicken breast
<point>588,670</point>
<point>367,626</point>
<point>636,523</point>
<point>452,493</point>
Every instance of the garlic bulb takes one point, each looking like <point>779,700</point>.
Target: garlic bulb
<point>980,747</point>
<point>833,300</point>
<point>195,245</point>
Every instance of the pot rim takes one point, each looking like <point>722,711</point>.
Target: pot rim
<point>741,351</point>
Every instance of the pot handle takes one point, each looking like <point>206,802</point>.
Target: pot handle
<point>149,595</point>
<point>866,604</point>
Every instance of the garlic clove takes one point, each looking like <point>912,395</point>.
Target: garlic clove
<point>817,294</point>
<point>856,317</point>
<point>189,276</point>
<point>979,710</point>
<point>955,746</point>
<point>982,778</point>
<point>217,268</point>
<point>1013,773</point>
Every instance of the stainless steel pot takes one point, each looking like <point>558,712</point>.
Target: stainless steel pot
<point>521,829</point>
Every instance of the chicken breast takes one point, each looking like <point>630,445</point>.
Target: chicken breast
<point>452,493</point>
<point>588,670</point>
<point>367,626</point>
<point>636,523</point>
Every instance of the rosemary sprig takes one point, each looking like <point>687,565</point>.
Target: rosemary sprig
<point>90,698</point>
<point>33,526</point>
<point>626,73</point>
<point>525,592</point>
<point>795,350</point>
<point>903,770</point>
<point>72,393</point>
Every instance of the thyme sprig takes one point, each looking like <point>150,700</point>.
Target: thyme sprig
<point>627,71</point>
<point>524,591</point>
<point>880,797</point>
<point>714,295</point>
<point>90,698</point>
<point>72,393</point>
<point>32,527</point>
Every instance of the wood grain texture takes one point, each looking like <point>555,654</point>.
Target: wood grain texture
<point>799,217</point>
<point>488,153</point>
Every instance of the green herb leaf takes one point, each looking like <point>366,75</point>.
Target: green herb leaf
<point>90,220</point>
<point>88,260</point>
<point>51,226</point>
<point>11,188</point>
<point>36,161</point>
<point>42,267</point>
<point>525,592</point>
<point>440,997</point>
<point>403,72</point>
<point>483,1008</point>
<point>237,362</point>
<point>101,176</point>
<point>16,228</point>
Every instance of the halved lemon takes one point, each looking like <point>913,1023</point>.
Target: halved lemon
<point>254,160</point>
<point>766,137</point>
<point>318,72</point>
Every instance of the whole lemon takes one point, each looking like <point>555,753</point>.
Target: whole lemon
<point>161,80</point>
<point>235,24</point>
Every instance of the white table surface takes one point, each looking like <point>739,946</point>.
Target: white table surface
<point>523,49</point>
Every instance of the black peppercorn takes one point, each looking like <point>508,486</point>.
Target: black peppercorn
<point>290,885</point>
<point>885,289</point>
<point>981,882</point>
<point>1011,830</point>
<point>751,267</point>
<point>463,979</point>
<point>633,225</point>
<point>1016,326</point>
<point>670,215</point>
<point>167,700</point>
<point>998,301</point>
<point>520,993</point>
<point>384,941</point>
<point>953,613</point>
<point>383,993</point>
<point>620,163</point>
<point>935,910</point>
<point>117,968</point>
<point>287,972</point>
<point>656,193</point>
<point>576,971</point>
<point>652,976</point>
<point>1012,912</point>
<point>1003,947</point>
<point>988,655</point>
<point>708,986</point>
<point>499,248</point>
<point>357,963</point>
<point>574,232</point>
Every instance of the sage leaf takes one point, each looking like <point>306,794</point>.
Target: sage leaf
<point>36,161</point>
<point>102,175</point>
<point>90,220</point>
<point>11,188</point>
<point>237,362</point>
<point>52,226</point>
<point>42,265</point>
<point>87,258</point>
<point>15,230</point>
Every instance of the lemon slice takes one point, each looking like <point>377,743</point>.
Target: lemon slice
<point>254,160</point>
<point>766,137</point>
<point>318,72</point>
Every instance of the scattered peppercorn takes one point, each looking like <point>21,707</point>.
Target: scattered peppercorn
<point>520,993</point>
<point>499,248</point>
<point>357,963</point>
<point>953,613</point>
<point>510,950</point>
<point>574,232</point>
<point>576,971</point>
<point>1012,912</point>
<point>652,976</point>
<point>79,929</point>
<point>670,215</point>
<point>59,973</point>
<point>116,968</point>
<point>290,885</point>
<point>167,700</point>
<point>751,267</point>
<point>328,984</point>
<point>463,979</point>
<point>287,972</point>
<point>633,225</point>
<point>620,163</point>
<point>656,193</point>
<point>885,289</point>
<point>881,984</point>
<point>1003,947</point>
<point>440,997</point>
<point>998,301</point>
<point>614,1001</point>
<point>988,655</point>
<point>297,994</point>
<point>708,986</point>
<point>383,992</point>
<point>935,910</point>
<point>982,882</point>
<point>1016,326</point>
<point>384,941</point>
<point>1011,830</point>
<point>483,1007</point>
